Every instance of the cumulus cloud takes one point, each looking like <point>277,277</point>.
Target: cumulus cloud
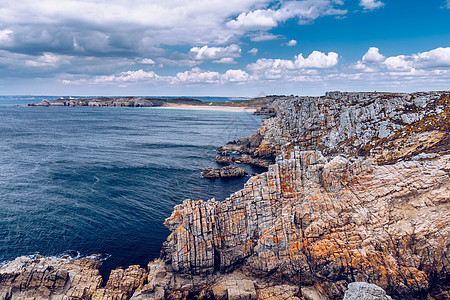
<point>371,4</point>
<point>236,76</point>
<point>439,57</point>
<point>373,61</point>
<point>292,43</point>
<point>264,19</point>
<point>448,4</point>
<point>277,68</point>
<point>373,55</point>
<point>216,54</point>
<point>400,63</point>
<point>197,75</point>
<point>316,59</point>
<point>370,62</point>
<point>258,19</point>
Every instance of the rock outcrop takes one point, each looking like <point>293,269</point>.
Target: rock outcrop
<point>359,192</point>
<point>225,172</point>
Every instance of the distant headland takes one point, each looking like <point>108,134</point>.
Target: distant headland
<point>257,105</point>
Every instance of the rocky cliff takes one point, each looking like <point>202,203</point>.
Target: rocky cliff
<point>359,191</point>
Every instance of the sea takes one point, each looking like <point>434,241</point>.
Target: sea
<point>80,181</point>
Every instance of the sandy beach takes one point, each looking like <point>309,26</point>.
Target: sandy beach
<point>209,107</point>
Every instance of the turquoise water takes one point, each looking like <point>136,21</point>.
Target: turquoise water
<point>102,180</point>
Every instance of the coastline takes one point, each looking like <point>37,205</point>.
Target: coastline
<point>323,218</point>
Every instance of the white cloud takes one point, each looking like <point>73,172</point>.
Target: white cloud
<point>197,75</point>
<point>372,61</point>
<point>439,57</point>
<point>236,76</point>
<point>258,19</point>
<point>448,4</point>
<point>148,61</point>
<point>317,59</point>
<point>264,19</point>
<point>373,55</point>
<point>399,63</point>
<point>371,4</point>
<point>253,51</point>
<point>225,60</point>
<point>215,53</point>
<point>264,37</point>
<point>292,43</point>
<point>277,68</point>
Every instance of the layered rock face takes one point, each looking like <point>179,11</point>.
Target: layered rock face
<point>360,192</point>
<point>52,278</point>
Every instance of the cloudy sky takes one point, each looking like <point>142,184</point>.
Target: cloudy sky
<point>222,47</point>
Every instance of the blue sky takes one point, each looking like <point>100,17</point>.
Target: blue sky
<point>223,47</point>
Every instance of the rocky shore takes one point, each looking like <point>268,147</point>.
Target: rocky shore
<point>357,190</point>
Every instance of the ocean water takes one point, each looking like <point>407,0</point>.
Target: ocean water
<point>102,180</point>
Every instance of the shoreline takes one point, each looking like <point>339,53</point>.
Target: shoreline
<point>208,107</point>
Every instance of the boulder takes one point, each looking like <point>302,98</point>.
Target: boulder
<point>365,291</point>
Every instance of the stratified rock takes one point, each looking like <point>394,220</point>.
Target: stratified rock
<point>26,278</point>
<point>122,283</point>
<point>225,172</point>
<point>55,278</point>
<point>365,291</point>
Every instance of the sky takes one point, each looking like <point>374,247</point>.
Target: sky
<point>222,47</point>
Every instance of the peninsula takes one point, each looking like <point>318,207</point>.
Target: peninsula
<point>357,190</point>
<point>173,103</point>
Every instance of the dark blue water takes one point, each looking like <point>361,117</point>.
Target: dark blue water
<point>102,180</point>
